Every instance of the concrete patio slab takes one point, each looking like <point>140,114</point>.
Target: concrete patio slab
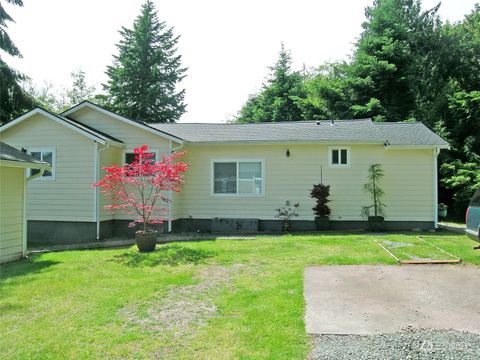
<point>369,300</point>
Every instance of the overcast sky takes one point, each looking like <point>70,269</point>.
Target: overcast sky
<point>227,45</point>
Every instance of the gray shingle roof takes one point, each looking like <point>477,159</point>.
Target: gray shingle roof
<point>340,131</point>
<point>10,153</point>
<point>88,129</point>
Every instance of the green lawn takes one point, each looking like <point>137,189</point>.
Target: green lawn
<point>222,299</point>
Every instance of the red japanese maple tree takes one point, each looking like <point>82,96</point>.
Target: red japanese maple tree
<point>140,187</point>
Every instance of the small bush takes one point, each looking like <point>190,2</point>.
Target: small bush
<point>321,193</point>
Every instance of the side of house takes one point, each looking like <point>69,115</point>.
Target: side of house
<point>409,175</point>
<point>14,168</point>
<point>132,135</point>
<point>238,176</point>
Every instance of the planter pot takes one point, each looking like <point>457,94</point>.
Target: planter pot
<point>376,223</point>
<point>146,241</point>
<point>322,222</point>
<point>442,212</point>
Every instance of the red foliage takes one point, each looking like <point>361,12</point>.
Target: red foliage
<point>139,188</point>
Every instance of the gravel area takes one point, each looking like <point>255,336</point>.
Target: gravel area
<point>407,344</point>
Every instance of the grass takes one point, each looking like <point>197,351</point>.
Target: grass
<point>416,249</point>
<point>70,304</point>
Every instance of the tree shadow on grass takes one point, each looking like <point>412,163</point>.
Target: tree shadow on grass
<point>24,267</point>
<point>167,255</point>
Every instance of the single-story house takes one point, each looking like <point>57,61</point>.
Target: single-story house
<point>14,165</point>
<point>239,173</point>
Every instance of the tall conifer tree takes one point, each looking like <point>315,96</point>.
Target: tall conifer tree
<point>281,97</point>
<point>13,99</point>
<point>143,80</point>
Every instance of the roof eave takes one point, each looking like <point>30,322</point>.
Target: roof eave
<point>319,142</point>
<point>53,117</point>
<point>431,146</point>
<point>24,164</point>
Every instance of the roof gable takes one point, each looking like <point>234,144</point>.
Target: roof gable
<point>79,128</point>
<point>142,125</point>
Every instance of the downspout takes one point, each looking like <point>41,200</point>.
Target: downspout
<point>171,150</point>
<point>97,191</point>
<point>436,151</point>
<point>24,233</point>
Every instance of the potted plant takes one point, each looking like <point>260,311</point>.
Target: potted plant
<point>321,193</point>
<point>372,187</point>
<point>139,188</point>
<point>286,213</point>
<point>442,210</point>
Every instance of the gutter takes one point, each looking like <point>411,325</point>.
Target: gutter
<point>171,150</point>
<point>436,151</point>
<point>97,190</point>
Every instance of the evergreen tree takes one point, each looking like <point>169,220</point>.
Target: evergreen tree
<point>145,74</point>
<point>398,42</point>
<point>281,97</point>
<point>13,99</point>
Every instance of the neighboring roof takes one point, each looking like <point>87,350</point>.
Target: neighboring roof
<point>363,131</point>
<point>9,153</point>
<point>139,124</point>
<point>74,125</point>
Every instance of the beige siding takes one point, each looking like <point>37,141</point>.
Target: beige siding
<point>131,136</point>
<point>11,213</point>
<point>108,157</point>
<point>69,197</point>
<point>408,182</point>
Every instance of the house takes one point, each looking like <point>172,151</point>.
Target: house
<point>238,175</point>
<point>13,224</point>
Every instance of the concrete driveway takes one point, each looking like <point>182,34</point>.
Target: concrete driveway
<point>369,300</point>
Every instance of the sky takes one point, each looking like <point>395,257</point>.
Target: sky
<point>226,45</point>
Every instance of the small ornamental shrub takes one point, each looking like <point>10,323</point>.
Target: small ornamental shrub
<point>286,214</point>
<point>321,193</point>
<point>141,187</point>
<point>372,187</point>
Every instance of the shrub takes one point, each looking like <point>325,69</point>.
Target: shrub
<point>321,193</point>
<point>372,187</point>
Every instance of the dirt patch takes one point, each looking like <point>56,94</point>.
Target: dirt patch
<point>184,308</point>
<point>396,244</point>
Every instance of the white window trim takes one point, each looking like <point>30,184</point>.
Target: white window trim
<point>237,195</point>
<point>54,162</point>
<point>349,159</point>
<point>132,150</point>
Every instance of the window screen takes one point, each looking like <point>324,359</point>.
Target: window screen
<point>225,178</point>
<point>237,177</point>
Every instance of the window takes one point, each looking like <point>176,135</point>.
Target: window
<point>475,199</point>
<point>130,156</point>
<point>47,155</point>
<point>244,178</point>
<point>339,156</point>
